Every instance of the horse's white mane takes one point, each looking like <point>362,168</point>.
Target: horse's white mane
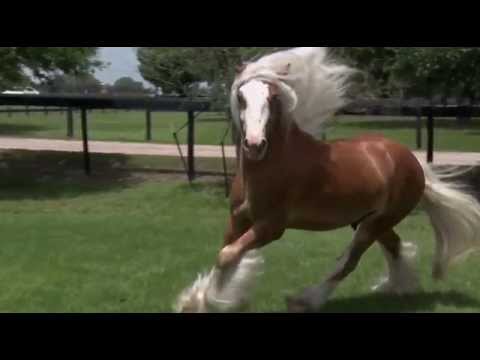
<point>312,86</point>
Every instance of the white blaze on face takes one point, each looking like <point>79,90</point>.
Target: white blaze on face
<point>256,112</point>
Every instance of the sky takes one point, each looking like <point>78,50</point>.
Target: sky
<point>123,62</point>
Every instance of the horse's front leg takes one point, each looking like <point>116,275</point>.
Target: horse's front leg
<point>230,284</point>
<point>257,236</point>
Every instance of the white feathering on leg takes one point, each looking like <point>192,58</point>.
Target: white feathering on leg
<point>207,294</point>
<point>402,278</point>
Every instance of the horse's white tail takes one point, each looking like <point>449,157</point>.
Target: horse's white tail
<point>227,291</point>
<point>455,216</point>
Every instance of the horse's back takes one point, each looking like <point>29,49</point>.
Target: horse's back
<point>394,163</point>
<point>386,151</point>
<point>379,141</point>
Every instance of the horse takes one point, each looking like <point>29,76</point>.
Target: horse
<point>287,178</point>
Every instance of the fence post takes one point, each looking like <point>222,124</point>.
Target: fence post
<point>86,154</point>
<point>148,135</point>
<point>419,129</point>
<point>191,145</point>
<point>70,123</point>
<point>431,141</point>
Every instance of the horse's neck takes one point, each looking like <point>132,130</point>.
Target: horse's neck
<point>289,147</point>
<point>287,144</point>
<point>292,156</point>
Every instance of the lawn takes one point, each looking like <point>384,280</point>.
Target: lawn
<point>115,126</point>
<point>126,241</point>
<point>210,128</point>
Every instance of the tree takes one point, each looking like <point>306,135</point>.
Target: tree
<point>417,71</point>
<point>68,84</point>
<point>168,68</point>
<point>179,70</point>
<point>216,65</point>
<point>126,85</point>
<point>443,71</point>
<point>446,72</point>
<point>375,63</point>
<point>23,65</point>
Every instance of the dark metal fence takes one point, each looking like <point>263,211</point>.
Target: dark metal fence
<point>85,103</point>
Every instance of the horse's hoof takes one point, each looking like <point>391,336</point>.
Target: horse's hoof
<point>297,305</point>
<point>384,286</point>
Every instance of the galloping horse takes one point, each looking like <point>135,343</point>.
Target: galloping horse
<point>287,179</point>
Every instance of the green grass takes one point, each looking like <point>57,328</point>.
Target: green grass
<point>121,242</point>
<point>115,126</point>
<point>448,135</point>
<point>130,126</point>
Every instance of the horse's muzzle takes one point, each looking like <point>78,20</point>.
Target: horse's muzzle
<point>255,152</point>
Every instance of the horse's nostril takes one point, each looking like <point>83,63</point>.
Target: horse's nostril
<point>255,146</point>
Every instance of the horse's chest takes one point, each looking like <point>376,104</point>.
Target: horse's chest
<point>265,199</point>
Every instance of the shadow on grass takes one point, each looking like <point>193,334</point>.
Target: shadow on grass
<point>54,175</point>
<point>380,303</point>
<point>44,175</point>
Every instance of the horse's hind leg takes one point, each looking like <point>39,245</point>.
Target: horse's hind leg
<point>368,232</point>
<point>402,278</point>
<point>315,297</point>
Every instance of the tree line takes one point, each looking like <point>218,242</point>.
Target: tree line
<point>60,70</point>
<point>445,72</point>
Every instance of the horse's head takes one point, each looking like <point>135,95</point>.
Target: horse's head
<point>256,100</point>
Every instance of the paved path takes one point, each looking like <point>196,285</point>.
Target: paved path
<point>204,151</point>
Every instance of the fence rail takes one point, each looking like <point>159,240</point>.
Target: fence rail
<point>36,110</point>
<point>108,102</point>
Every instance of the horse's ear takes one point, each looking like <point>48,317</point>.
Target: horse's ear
<point>285,71</point>
<point>240,68</point>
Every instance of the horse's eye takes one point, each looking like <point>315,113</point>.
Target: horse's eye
<point>241,100</point>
